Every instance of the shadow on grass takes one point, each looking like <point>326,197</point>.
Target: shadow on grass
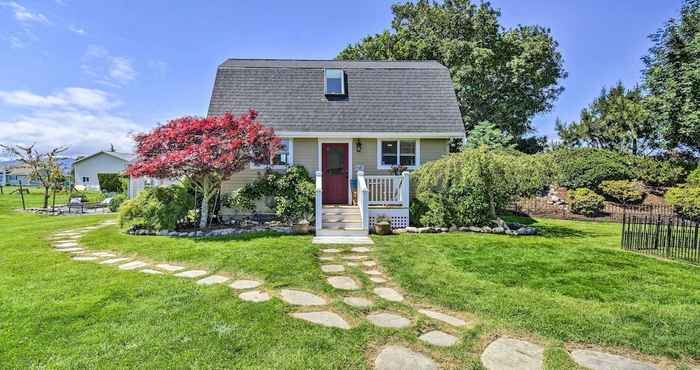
<point>242,237</point>
<point>548,231</point>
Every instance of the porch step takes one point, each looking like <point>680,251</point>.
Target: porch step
<point>341,232</point>
<point>353,218</point>
<point>342,225</point>
<point>341,220</point>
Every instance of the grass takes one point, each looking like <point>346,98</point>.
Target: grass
<point>572,284</point>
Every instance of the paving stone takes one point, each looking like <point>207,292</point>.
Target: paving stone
<point>344,240</point>
<point>352,264</point>
<point>332,268</point>
<point>323,318</point>
<point>512,354</point>
<point>326,258</point>
<point>70,249</point>
<point>355,258</point>
<point>378,280</point>
<point>254,296</point>
<point>104,254</point>
<point>343,282</point>
<point>330,250</point>
<point>358,302</point>
<point>113,261</point>
<point>84,258</point>
<point>152,272</point>
<point>373,272</point>
<point>65,245</point>
<point>133,265</point>
<point>301,298</point>
<point>402,358</point>
<point>213,279</point>
<point>439,338</point>
<point>360,250</point>
<point>245,284</point>
<point>191,274</point>
<point>369,263</point>
<point>388,320</point>
<point>168,267</point>
<point>454,321</point>
<point>389,294</point>
<point>605,361</point>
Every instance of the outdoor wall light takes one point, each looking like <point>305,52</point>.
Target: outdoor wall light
<point>358,146</point>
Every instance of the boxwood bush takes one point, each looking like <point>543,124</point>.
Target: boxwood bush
<point>658,172</point>
<point>586,202</point>
<point>622,191</point>
<point>685,201</point>
<point>158,208</point>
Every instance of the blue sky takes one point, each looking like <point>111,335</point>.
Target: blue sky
<point>87,73</point>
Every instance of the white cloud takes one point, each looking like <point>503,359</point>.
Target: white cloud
<point>23,14</point>
<point>68,98</point>
<point>83,132</point>
<point>106,68</point>
<point>77,30</point>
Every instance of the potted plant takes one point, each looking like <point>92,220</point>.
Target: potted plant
<point>382,225</point>
<point>301,227</point>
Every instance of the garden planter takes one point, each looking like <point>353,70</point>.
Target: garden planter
<point>382,228</point>
<point>301,228</point>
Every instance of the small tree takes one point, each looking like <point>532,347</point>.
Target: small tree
<point>43,166</point>
<point>207,151</point>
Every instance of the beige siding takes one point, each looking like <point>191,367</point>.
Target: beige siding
<point>432,149</point>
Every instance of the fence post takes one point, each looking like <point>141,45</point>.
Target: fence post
<point>696,247</point>
<point>669,237</point>
<point>657,233</point>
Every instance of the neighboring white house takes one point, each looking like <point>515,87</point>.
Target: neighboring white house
<point>137,184</point>
<point>86,169</point>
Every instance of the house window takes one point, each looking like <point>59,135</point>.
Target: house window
<point>283,157</point>
<point>86,179</point>
<point>398,152</point>
<point>334,82</point>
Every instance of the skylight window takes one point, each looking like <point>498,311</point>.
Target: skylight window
<point>334,82</point>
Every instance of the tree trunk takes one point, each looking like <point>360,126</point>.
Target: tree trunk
<point>46,197</point>
<point>204,212</point>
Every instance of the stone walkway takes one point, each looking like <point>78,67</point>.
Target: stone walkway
<point>342,265</point>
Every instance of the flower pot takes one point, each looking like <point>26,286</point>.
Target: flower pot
<point>382,228</point>
<point>301,228</point>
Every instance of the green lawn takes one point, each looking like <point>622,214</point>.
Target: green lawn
<point>572,284</point>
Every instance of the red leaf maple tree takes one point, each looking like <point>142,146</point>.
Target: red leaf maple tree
<point>207,151</point>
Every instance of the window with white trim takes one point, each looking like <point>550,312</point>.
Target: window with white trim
<point>393,153</point>
<point>282,158</point>
<point>334,82</point>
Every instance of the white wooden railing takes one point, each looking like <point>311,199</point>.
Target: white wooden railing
<point>363,199</point>
<point>388,190</point>
<point>319,201</point>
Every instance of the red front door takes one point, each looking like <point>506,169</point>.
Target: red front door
<point>335,173</point>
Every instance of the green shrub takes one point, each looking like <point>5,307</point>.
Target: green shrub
<point>586,202</point>
<point>293,194</point>
<point>622,191</point>
<point>685,201</point>
<point>467,188</point>
<point>693,178</point>
<point>589,167</point>
<point>117,201</point>
<point>111,182</point>
<point>658,172</point>
<point>157,208</point>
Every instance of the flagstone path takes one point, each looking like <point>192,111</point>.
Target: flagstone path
<point>502,354</point>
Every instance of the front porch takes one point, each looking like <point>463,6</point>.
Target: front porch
<point>369,198</point>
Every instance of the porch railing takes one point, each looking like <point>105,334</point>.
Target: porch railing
<point>363,199</point>
<point>319,200</point>
<point>388,190</point>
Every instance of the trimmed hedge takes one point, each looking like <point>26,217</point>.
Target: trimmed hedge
<point>685,201</point>
<point>589,167</point>
<point>158,208</point>
<point>111,182</point>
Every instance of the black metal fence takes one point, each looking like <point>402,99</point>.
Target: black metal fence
<point>543,207</point>
<point>661,235</point>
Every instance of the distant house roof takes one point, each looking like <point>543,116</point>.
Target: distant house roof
<point>382,96</point>
<point>19,170</point>
<point>126,157</point>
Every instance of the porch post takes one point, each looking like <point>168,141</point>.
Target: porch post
<point>319,201</point>
<point>405,190</point>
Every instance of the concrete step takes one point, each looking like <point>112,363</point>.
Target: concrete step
<point>342,225</point>
<point>342,218</point>
<point>341,232</point>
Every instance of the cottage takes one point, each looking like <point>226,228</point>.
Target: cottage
<point>86,168</point>
<point>354,125</point>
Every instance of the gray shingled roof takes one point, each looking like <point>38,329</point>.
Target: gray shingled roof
<point>399,96</point>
